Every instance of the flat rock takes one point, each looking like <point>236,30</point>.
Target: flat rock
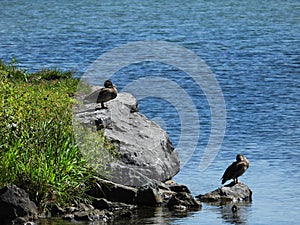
<point>113,192</point>
<point>146,152</point>
<point>104,204</point>
<point>229,193</point>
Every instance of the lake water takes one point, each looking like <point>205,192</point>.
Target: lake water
<point>252,48</point>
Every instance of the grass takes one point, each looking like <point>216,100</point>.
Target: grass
<point>38,149</point>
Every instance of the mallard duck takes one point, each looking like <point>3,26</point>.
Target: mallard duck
<point>107,93</point>
<point>236,169</point>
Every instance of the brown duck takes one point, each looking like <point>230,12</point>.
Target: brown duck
<point>236,169</point>
<point>107,93</point>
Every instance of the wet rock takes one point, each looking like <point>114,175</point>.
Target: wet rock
<point>183,200</point>
<point>102,203</point>
<point>113,192</point>
<point>149,196</point>
<point>92,215</point>
<point>54,209</point>
<point>85,207</point>
<point>22,221</point>
<point>146,152</point>
<point>127,214</point>
<point>69,216</point>
<point>228,193</point>
<point>82,215</point>
<point>14,203</point>
<point>179,188</point>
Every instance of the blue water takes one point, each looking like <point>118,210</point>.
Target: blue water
<point>252,48</point>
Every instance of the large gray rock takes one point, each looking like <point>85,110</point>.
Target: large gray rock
<point>15,203</point>
<point>229,193</point>
<point>146,153</point>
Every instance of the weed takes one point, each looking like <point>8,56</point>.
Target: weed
<point>38,151</point>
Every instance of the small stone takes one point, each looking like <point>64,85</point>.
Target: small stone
<point>82,215</point>
<point>180,208</point>
<point>127,214</point>
<point>30,223</point>
<point>179,188</point>
<point>68,217</point>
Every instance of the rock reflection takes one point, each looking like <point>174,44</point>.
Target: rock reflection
<point>146,215</point>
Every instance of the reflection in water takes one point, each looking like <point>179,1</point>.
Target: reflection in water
<point>141,215</point>
<point>151,215</point>
<point>235,213</point>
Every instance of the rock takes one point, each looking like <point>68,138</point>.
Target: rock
<point>68,216</point>
<point>54,208</point>
<point>14,203</point>
<point>22,221</point>
<point>127,214</point>
<point>228,193</point>
<point>82,215</point>
<point>146,152</point>
<point>183,201</point>
<point>92,215</point>
<point>85,207</point>
<point>102,203</point>
<point>149,196</point>
<point>179,188</point>
<point>113,192</point>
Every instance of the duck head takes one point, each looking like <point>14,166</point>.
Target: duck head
<point>108,84</point>
<point>239,157</point>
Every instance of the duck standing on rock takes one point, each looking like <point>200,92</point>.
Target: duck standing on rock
<point>236,169</point>
<point>107,93</point>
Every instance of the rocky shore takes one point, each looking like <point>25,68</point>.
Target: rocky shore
<point>140,176</point>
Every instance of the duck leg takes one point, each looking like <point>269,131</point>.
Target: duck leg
<point>102,106</point>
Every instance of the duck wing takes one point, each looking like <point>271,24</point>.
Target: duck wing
<point>106,94</point>
<point>240,169</point>
<point>229,172</point>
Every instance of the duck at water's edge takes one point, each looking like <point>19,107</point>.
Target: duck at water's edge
<point>107,93</point>
<point>236,169</point>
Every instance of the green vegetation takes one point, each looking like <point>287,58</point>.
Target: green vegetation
<point>38,151</point>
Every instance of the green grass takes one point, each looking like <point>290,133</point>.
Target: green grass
<point>38,149</point>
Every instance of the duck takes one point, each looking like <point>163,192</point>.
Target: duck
<point>107,93</point>
<point>236,169</point>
